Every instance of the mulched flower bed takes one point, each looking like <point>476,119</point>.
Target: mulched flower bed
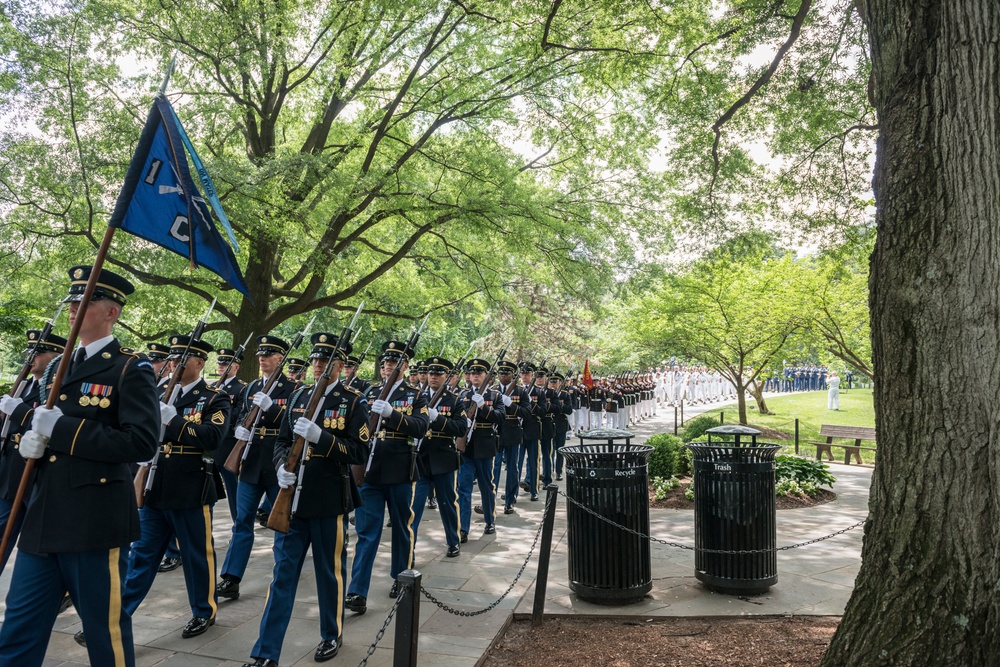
<point>675,499</point>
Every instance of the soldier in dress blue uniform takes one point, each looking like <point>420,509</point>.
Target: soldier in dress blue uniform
<point>181,489</point>
<point>548,426</point>
<point>351,375</point>
<point>477,459</point>
<point>296,370</point>
<point>233,387</point>
<point>565,409</point>
<point>517,409</point>
<point>82,515</point>
<point>18,411</point>
<point>157,354</point>
<point>528,457</point>
<point>257,476</point>
<point>437,459</point>
<point>390,477</point>
<point>336,437</point>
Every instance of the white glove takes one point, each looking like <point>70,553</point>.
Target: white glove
<point>307,428</point>
<point>382,407</point>
<point>432,413</point>
<point>8,404</point>
<point>478,400</point>
<point>167,412</point>
<point>285,478</point>
<point>507,400</point>
<point>242,434</point>
<point>468,423</point>
<point>262,401</point>
<point>32,445</point>
<point>44,421</point>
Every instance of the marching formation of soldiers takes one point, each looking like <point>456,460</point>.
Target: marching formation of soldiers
<point>125,469</point>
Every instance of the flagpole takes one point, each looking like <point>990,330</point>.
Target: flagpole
<point>50,400</point>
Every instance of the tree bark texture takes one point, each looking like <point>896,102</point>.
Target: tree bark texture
<point>928,591</point>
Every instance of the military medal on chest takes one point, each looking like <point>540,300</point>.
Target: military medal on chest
<point>95,395</point>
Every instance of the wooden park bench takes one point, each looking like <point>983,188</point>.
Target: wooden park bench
<point>856,433</point>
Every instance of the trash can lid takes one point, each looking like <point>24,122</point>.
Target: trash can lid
<point>733,429</point>
<point>605,434</point>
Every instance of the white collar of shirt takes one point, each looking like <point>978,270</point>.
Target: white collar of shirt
<point>96,346</point>
<point>188,387</point>
<point>331,387</point>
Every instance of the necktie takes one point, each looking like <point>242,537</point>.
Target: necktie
<point>79,357</point>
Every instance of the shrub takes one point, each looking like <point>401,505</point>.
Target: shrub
<point>684,465</point>
<point>663,460</point>
<point>663,486</point>
<point>5,388</point>
<point>797,475</point>
<point>697,427</point>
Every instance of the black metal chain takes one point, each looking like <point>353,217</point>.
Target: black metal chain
<point>703,550</point>
<point>381,632</point>
<point>549,501</point>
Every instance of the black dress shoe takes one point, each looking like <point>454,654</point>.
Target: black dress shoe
<point>453,551</point>
<point>228,588</point>
<point>478,509</point>
<point>356,603</point>
<point>463,536</point>
<point>80,639</point>
<point>327,650</point>
<point>558,478</point>
<point>168,564</point>
<point>534,496</point>
<point>197,626</point>
<point>432,504</point>
<point>394,591</point>
<point>351,519</point>
<point>262,517</point>
<point>489,530</point>
<point>65,604</point>
<point>261,662</point>
<point>524,485</point>
<point>507,509</point>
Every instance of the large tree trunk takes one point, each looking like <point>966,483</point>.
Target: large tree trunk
<point>927,592</point>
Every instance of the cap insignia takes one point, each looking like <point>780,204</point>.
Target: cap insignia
<point>78,274</point>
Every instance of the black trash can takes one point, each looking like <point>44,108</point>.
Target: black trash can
<point>734,510</point>
<point>608,565</point>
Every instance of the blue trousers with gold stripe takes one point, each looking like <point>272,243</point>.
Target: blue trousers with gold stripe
<point>94,582</point>
<point>509,454</point>
<point>481,471</point>
<point>329,549</point>
<point>247,501</point>
<point>368,520</point>
<point>5,508</point>
<point>528,458</point>
<point>445,486</point>
<point>193,529</point>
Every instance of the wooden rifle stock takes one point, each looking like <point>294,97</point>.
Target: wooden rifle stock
<point>375,420</point>
<point>462,442</point>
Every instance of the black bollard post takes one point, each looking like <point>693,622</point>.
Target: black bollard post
<point>682,412</point>
<point>541,579</point>
<point>722,416</point>
<point>796,435</point>
<point>675,419</point>
<point>407,620</point>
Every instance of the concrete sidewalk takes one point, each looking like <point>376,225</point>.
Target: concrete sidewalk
<point>814,579</point>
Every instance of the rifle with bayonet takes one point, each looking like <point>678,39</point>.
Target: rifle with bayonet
<point>462,442</point>
<point>236,355</point>
<point>288,498</point>
<point>144,477</point>
<point>20,381</point>
<point>375,420</point>
<point>249,422</point>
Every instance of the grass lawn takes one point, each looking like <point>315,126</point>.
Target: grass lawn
<point>856,409</point>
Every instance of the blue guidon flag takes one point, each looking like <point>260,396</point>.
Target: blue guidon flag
<point>161,203</point>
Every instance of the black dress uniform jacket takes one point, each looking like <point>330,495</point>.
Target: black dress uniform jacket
<point>234,389</point>
<point>565,408</point>
<point>11,462</point>
<point>489,421</point>
<point>548,419</point>
<point>361,384</point>
<point>182,475</point>
<point>83,498</point>
<point>258,466</point>
<point>392,456</point>
<point>343,440</point>
<point>532,425</point>
<point>437,454</point>
<point>518,412</point>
